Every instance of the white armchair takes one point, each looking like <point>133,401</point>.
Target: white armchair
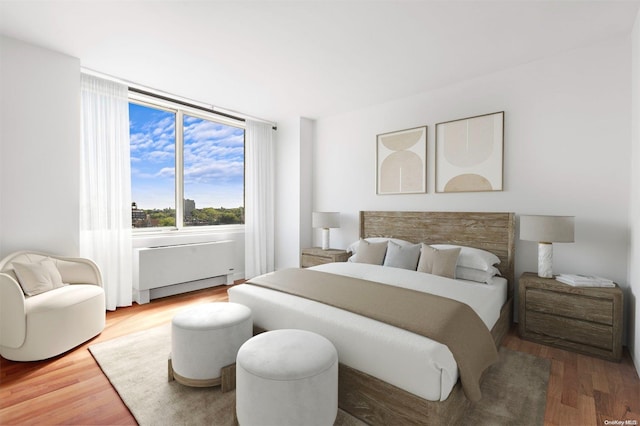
<point>50,323</point>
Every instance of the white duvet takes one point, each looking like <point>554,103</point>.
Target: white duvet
<point>409,361</point>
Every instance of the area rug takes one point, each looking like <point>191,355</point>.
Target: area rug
<point>513,390</point>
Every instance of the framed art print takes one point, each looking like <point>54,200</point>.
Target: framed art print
<point>402,162</point>
<point>469,154</point>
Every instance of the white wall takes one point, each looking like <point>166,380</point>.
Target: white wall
<point>293,189</point>
<point>567,133</point>
<point>287,194</point>
<point>39,143</point>
<point>307,131</point>
<point>634,209</point>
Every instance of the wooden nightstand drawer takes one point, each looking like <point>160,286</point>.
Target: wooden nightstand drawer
<point>316,256</point>
<point>581,319</point>
<point>558,329</point>
<point>570,305</point>
<point>308,261</point>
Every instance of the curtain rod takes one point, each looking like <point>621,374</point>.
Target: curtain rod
<point>138,88</point>
<point>183,103</point>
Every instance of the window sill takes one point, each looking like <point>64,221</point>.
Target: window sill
<point>167,237</point>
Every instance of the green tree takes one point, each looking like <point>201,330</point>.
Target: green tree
<point>167,221</point>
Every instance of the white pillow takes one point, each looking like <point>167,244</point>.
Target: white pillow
<point>472,257</point>
<point>476,275</point>
<point>369,252</point>
<point>36,278</point>
<point>402,256</point>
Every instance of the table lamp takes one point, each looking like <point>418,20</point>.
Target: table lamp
<point>325,220</point>
<point>546,230</point>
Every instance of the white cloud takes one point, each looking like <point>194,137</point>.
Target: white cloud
<point>166,172</point>
<point>213,160</point>
<point>211,172</point>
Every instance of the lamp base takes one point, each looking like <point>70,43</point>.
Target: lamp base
<point>325,238</point>
<point>545,260</point>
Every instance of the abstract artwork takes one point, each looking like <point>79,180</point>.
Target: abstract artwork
<point>402,162</point>
<point>469,154</point>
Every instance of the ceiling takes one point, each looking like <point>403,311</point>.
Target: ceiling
<point>275,59</point>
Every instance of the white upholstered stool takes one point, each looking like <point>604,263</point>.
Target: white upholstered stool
<point>205,340</point>
<point>287,377</point>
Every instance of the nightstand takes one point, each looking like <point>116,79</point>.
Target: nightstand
<point>581,319</point>
<point>316,256</point>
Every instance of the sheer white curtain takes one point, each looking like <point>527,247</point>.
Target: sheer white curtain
<point>259,204</point>
<point>105,187</point>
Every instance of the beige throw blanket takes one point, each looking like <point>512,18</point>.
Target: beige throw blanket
<point>444,320</point>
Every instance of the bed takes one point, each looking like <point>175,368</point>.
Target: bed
<point>385,377</point>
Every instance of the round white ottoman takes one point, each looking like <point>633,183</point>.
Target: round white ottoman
<point>205,338</point>
<point>287,377</point>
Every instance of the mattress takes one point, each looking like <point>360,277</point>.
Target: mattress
<point>409,361</point>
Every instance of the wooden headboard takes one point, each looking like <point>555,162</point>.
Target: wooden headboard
<point>493,232</point>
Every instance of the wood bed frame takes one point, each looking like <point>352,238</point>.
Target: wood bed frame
<point>379,403</point>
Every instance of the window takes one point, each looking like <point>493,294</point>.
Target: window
<point>187,166</point>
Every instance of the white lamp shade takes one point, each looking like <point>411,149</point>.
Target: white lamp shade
<point>548,229</point>
<point>325,220</point>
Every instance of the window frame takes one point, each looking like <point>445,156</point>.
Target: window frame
<point>180,110</point>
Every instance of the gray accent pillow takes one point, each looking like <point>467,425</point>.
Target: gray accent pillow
<point>402,256</point>
<point>371,252</point>
<point>353,247</point>
<point>438,262</point>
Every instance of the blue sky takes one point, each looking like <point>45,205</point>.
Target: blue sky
<point>213,160</point>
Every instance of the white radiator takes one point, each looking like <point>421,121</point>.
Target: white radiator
<point>158,269</point>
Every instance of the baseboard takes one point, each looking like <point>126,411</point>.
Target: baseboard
<point>145,296</point>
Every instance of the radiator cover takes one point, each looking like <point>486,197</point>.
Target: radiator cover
<point>157,267</point>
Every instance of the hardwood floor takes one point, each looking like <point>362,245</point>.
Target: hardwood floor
<point>71,389</point>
